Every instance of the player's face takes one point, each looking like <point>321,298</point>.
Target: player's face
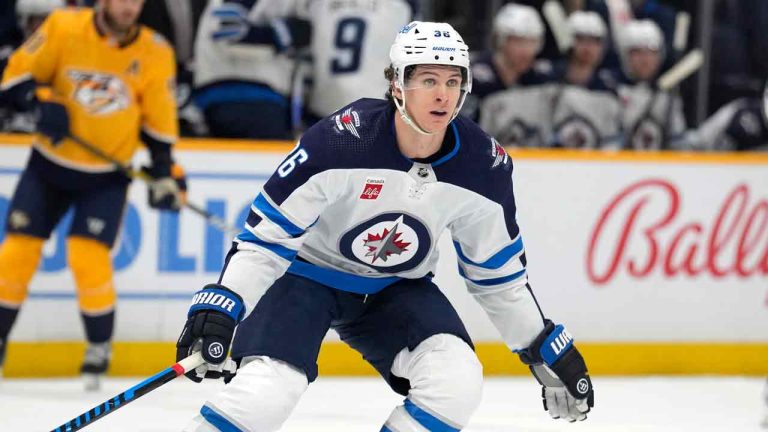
<point>644,63</point>
<point>432,94</point>
<point>587,50</point>
<point>121,15</point>
<point>520,52</point>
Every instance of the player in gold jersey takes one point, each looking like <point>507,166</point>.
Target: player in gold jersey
<point>97,75</point>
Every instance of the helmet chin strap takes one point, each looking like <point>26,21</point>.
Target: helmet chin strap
<point>404,114</point>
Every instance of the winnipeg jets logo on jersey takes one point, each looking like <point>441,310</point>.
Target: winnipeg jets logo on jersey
<point>349,120</point>
<point>389,242</point>
<point>498,154</point>
<point>381,246</point>
<point>99,93</point>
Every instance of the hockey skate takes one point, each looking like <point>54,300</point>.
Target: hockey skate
<point>95,364</point>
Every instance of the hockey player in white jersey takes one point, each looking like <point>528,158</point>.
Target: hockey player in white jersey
<point>344,236</point>
<point>507,97</point>
<point>244,56</point>
<point>586,112</point>
<point>652,119</point>
<point>348,53</point>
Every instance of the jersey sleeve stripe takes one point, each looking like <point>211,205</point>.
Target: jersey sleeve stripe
<point>494,281</point>
<point>16,81</point>
<point>498,259</point>
<point>273,214</point>
<point>279,250</point>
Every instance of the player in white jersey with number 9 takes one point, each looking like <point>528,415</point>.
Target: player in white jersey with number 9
<point>344,236</point>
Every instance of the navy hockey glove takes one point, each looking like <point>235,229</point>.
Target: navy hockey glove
<point>52,121</point>
<point>235,27</point>
<point>211,322</point>
<point>169,191</point>
<point>559,367</point>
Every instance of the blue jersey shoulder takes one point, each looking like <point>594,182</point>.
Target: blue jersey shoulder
<point>358,135</point>
<point>481,164</point>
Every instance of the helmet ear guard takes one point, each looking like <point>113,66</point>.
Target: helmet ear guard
<point>428,43</point>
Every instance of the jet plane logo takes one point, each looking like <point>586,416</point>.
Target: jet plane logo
<point>382,246</point>
<point>391,242</point>
<point>349,120</point>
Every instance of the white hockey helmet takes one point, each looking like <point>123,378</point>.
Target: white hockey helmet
<point>27,8</point>
<point>642,34</point>
<point>429,43</point>
<point>518,20</point>
<point>581,23</point>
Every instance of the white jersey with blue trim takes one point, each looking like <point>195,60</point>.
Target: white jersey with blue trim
<point>348,53</point>
<point>348,210</point>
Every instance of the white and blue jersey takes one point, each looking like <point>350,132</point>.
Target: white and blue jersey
<point>348,210</point>
<point>348,55</point>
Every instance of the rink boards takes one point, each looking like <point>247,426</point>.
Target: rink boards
<point>657,263</point>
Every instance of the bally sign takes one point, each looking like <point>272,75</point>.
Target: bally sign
<point>732,240</point>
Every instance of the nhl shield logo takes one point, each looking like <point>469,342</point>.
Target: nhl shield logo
<point>389,243</point>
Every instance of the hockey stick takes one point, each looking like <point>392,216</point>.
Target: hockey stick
<point>133,393</point>
<point>212,219</point>
<point>555,15</point>
<point>667,84</point>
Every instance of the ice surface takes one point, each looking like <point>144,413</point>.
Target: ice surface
<point>700,404</point>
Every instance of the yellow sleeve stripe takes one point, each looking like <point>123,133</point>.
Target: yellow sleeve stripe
<point>14,81</point>
<point>170,139</point>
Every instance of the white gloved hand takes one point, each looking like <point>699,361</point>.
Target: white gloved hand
<point>164,193</point>
<point>557,400</point>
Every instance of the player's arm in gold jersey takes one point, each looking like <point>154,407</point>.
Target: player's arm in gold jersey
<point>159,121</point>
<point>32,64</point>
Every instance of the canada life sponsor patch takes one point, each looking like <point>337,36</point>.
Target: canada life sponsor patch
<point>372,188</point>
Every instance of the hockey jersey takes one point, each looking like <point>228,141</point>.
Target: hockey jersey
<point>349,56</point>
<point>222,61</point>
<point>652,119</point>
<point>110,92</point>
<point>348,210</point>
<point>487,81</point>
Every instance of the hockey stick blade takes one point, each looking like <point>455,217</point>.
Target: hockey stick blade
<point>689,64</point>
<point>133,393</point>
<point>212,219</point>
<point>555,15</point>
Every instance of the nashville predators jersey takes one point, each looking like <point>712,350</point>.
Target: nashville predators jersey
<point>114,93</point>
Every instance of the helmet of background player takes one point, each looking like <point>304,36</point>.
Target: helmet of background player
<point>642,44</point>
<point>428,43</point>
<point>589,32</point>
<point>518,34</point>
<point>32,13</point>
<point>518,20</point>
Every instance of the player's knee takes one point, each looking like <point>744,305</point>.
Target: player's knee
<point>91,267</point>
<point>259,398</point>
<point>19,256</point>
<point>446,378</point>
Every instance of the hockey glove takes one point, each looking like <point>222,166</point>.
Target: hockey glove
<point>211,322</point>
<point>167,192</point>
<point>235,27</point>
<point>567,390</point>
<point>52,121</point>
